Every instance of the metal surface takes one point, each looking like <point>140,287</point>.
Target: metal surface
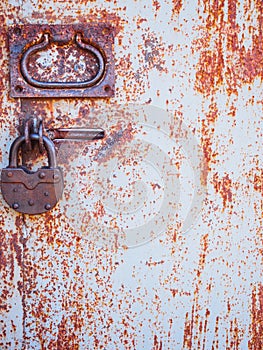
<point>32,192</point>
<point>76,277</point>
<point>62,61</point>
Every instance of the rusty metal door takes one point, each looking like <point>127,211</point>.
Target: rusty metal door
<point>157,241</point>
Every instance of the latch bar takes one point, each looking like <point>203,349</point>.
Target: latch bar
<point>76,134</point>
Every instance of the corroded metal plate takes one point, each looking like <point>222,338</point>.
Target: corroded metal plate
<point>62,60</point>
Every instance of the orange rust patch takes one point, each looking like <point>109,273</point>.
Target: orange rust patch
<point>157,345</point>
<point>256,326</point>
<point>204,247</point>
<point>258,182</point>
<point>99,210</point>
<point>206,140</point>
<point>194,320</point>
<point>177,6</point>
<point>156,6</point>
<point>234,335</point>
<point>154,263</point>
<point>209,70</point>
<point>238,65</point>
<point>3,76</point>
<point>188,331</point>
<point>224,188</point>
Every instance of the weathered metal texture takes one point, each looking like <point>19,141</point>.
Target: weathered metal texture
<point>88,283</point>
<point>62,61</point>
<point>11,249</point>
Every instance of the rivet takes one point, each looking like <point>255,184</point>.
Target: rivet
<point>18,89</point>
<point>9,174</point>
<point>15,189</point>
<point>17,31</point>
<point>31,202</point>
<point>46,194</point>
<point>107,88</point>
<point>106,31</point>
<point>47,206</point>
<point>42,175</point>
<point>55,176</point>
<point>15,206</point>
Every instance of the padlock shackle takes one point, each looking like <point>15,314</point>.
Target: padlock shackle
<point>49,145</point>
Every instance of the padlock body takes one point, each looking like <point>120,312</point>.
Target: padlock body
<point>32,192</point>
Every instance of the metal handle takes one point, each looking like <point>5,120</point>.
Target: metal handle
<point>56,84</point>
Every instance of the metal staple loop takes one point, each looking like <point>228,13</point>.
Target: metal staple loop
<point>27,130</point>
<point>34,125</point>
<point>40,133</point>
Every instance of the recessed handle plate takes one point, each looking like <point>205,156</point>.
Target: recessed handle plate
<point>62,61</point>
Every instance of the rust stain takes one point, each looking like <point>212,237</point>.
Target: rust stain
<point>197,321</point>
<point>154,52</point>
<point>255,178</point>
<point>193,320</point>
<point>10,245</point>
<point>256,326</point>
<point>234,336</point>
<point>99,210</point>
<point>177,6</point>
<point>67,337</point>
<point>156,6</point>
<point>258,181</point>
<point>237,65</point>
<point>188,331</point>
<point>224,187</point>
<point>91,15</point>
<point>207,140</point>
<point>154,263</point>
<point>151,56</point>
<point>16,242</point>
<point>202,256</point>
<point>157,345</point>
<point>125,64</point>
<point>11,254</point>
<point>209,71</point>
<point>112,146</point>
<point>4,110</point>
<point>79,306</point>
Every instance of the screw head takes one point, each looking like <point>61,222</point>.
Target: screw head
<point>9,174</point>
<point>55,177</point>
<point>41,175</point>
<point>48,206</point>
<point>46,194</point>
<point>31,202</point>
<point>15,206</point>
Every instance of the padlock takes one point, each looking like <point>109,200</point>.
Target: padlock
<point>32,192</point>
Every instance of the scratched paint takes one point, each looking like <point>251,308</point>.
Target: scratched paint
<point>66,281</point>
